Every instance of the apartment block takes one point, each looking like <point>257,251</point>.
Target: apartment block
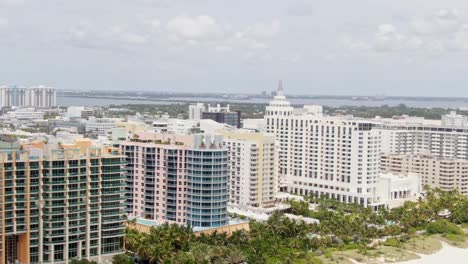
<point>60,202</point>
<point>195,111</point>
<point>253,177</point>
<point>36,96</point>
<point>446,174</point>
<point>177,179</point>
<point>439,141</point>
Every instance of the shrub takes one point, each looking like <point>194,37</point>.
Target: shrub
<point>392,242</point>
<point>454,238</point>
<point>442,226</point>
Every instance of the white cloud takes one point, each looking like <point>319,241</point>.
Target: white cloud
<point>133,38</point>
<point>87,34</point>
<point>265,30</point>
<point>301,9</point>
<point>431,34</point>
<point>11,2</point>
<point>123,34</point>
<point>253,57</point>
<point>460,39</point>
<point>80,31</point>
<point>258,45</point>
<point>254,38</point>
<point>156,3</point>
<point>295,58</point>
<point>194,28</point>
<point>3,22</point>
<point>449,15</point>
<point>441,22</point>
<point>355,45</point>
<point>422,26</point>
<point>223,48</point>
<point>388,39</point>
<point>155,23</point>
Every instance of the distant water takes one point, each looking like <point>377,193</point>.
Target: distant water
<point>84,101</point>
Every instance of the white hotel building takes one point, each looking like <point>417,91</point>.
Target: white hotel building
<point>336,157</point>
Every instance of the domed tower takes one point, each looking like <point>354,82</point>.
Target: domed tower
<point>279,106</point>
<point>277,115</point>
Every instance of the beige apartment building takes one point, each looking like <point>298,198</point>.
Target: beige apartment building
<point>447,174</point>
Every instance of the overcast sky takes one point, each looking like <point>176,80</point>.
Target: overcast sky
<point>362,47</point>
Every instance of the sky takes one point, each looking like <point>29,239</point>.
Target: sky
<point>336,47</point>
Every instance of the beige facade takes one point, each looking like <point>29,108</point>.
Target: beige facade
<point>253,177</point>
<point>447,174</point>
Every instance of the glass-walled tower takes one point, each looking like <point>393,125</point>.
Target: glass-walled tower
<point>207,178</point>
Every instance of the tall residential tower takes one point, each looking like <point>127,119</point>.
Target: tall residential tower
<point>177,179</point>
<point>60,202</point>
<point>35,96</point>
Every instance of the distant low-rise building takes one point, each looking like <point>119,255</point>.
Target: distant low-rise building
<point>454,120</point>
<point>254,124</point>
<point>100,126</point>
<point>223,115</point>
<point>394,189</point>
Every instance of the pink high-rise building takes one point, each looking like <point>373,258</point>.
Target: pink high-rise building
<point>177,179</point>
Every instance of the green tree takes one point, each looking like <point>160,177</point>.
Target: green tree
<point>122,259</point>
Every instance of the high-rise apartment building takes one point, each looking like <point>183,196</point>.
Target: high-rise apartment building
<point>253,178</point>
<point>446,174</point>
<point>439,141</point>
<point>35,96</point>
<point>177,179</point>
<point>196,110</point>
<point>60,202</point>
<point>336,157</point>
<point>207,186</point>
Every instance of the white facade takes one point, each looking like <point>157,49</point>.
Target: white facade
<point>254,124</point>
<point>180,126</point>
<point>454,120</point>
<point>394,189</point>
<point>196,110</point>
<point>439,141</point>
<point>23,114</point>
<point>174,126</point>
<point>74,111</point>
<point>36,96</point>
<point>218,108</point>
<point>100,126</point>
<point>253,179</point>
<point>211,127</point>
<point>325,156</point>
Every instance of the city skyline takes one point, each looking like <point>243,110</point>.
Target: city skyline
<point>391,47</point>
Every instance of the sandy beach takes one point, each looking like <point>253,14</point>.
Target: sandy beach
<point>447,254</point>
